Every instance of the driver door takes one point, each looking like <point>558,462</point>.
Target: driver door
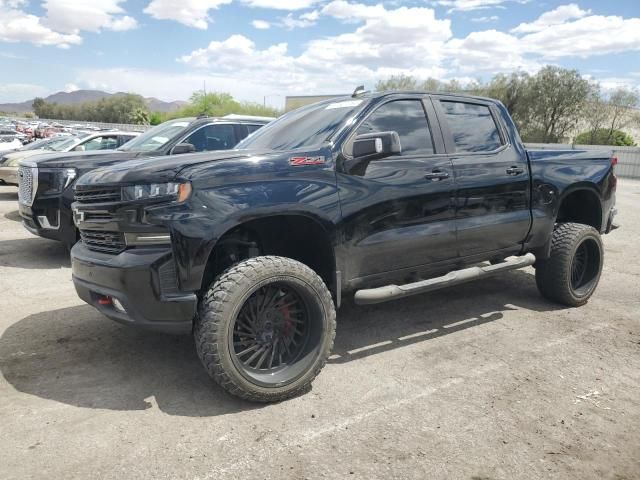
<point>398,212</point>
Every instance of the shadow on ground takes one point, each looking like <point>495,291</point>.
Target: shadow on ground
<point>7,196</point>
<point>76,356</point>
<point>34,253</point>
<point>14,216</point>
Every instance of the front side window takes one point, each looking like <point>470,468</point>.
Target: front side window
<point>472,126</point>
<point>212,137</point>
<point>405,117</point>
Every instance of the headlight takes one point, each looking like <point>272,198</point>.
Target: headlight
<point>170,191</point>
<point>60,179</point>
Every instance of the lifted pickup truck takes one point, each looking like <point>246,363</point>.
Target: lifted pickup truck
<point>45,190</point>
<point>381,195</point>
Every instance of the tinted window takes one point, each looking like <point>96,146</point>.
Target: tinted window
<point>212,137</point>
<point>408,119</point>
<point>472,127</point>
<point>253,128</point>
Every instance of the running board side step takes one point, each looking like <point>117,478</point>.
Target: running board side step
<point>393,292</point>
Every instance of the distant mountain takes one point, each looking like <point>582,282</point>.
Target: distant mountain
<point>83,96</point>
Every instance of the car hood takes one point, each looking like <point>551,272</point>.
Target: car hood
<point>159,169</point>
<point>14,158</point>
<point>80,160</point>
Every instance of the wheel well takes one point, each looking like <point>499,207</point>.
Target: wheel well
<point>581,206</point>
<point>292,236</point>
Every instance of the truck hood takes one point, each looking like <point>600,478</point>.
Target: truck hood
<point>81,160</point>
<point>158,169</point>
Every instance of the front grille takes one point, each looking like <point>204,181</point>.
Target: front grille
<point>107,242</point>
<point>27,184</point>
<point>98,195</point>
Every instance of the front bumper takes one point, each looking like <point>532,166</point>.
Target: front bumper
<point>137,278</point>
<point>9,175</point>
<point>48,221</point>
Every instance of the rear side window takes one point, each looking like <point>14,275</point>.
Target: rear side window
<point>408,119</point>
<point>253,128</point>
<point>472,126</point>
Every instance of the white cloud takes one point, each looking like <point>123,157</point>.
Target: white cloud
<point>466,5</point>
<point>281,4</point>
<point>16,25</point>
<point>492,18</point>
<point>303,21</point>
<point>73,16</point>
<point>387,41</point>
<point>11,92</point>
<point>556,16</point>
<point>192,13</point>
<point>63,23</point>
<point>585,37</point>
<point>261,24</point>
<point>71,87</point>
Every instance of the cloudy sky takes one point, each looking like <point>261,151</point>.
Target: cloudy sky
<point>258,48</point>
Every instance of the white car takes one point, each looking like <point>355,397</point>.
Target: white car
<point>82,142</point>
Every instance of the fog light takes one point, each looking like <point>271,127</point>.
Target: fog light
<point>105,300</point>
<point>118,306</point>
<point>133,239</point>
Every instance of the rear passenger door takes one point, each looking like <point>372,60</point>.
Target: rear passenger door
<point>492,177</point>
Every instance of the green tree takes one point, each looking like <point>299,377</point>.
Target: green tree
<point>156,118</point>
<point>397,82</point>
<point>139,117</point>
<point>557,99</point>
<point>604,136</point>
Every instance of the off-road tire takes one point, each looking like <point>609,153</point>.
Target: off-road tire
<point>221,305</point>
<point>554,275</point>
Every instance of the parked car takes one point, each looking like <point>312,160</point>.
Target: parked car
<point>10,134</point>
<point>376,196</point>
<point>46,185</point>
<point>92,142</point>
<point>9,146</point>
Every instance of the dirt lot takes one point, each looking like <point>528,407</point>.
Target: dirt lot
<point>482,381</point>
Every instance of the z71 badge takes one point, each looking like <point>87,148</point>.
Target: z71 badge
<point>300,161</point>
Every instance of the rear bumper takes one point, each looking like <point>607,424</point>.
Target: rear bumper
<point>133,278</point>
<point>9,175</point>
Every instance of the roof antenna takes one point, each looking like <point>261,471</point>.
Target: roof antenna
<point>359,91</point>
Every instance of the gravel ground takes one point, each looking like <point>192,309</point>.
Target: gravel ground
<point>481,381</point>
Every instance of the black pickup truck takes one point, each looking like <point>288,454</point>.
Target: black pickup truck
<point>45,182</point>
<point>378,195</point>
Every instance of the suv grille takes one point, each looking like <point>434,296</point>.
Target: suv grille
<point>27,184</point>
<point>107,242</point>
<point>100,195</point>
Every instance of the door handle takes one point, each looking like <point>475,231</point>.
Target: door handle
<point>515,170</point>
<point>436,175</point>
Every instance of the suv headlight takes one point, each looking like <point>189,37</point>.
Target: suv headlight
<point>179,192</point>
<point>60,179</point>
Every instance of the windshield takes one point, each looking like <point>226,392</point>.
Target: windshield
<point>47,142</point>
<point>304,127</point>
<point>66,144</point>
<point>157,137</point>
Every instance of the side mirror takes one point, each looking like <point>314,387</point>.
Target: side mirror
<point>376,145</point>
<point>183,148</point>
